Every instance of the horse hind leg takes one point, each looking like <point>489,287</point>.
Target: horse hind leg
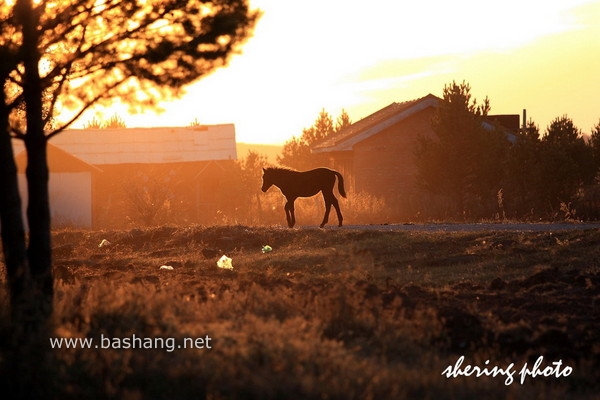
<point>336,205</point>
<point>293,215</point>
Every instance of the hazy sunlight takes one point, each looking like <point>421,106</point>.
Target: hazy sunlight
<point>338,54</point>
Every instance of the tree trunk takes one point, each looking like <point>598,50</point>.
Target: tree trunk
<point>29,362</point>
<point>38,208</point>
<point>38,217</point>
<point>11,219</point>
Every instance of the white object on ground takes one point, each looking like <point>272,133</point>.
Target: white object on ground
<point>224,262</point>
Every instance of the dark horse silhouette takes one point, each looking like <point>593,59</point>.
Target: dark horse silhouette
<point>294,184</point>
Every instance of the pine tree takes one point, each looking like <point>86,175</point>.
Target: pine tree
<point>463,163</point>
<point>296,151</point>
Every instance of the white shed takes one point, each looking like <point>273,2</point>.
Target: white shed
<point>70,188</point>
<point>87,164</point>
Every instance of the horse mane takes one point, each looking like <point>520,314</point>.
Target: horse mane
<point>280,169</point>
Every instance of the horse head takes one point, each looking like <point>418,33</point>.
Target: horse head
<point>267,179</point>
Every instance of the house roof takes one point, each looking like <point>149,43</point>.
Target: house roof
<point>346,138</point>
<point>149,145</point>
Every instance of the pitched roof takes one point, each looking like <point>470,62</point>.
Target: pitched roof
<point>58,160</point>
<point>149,145</point>
<point>346,138</point>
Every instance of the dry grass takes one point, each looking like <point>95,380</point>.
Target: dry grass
<point>328,314</point>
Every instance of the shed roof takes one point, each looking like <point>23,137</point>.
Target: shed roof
<point>149,145</point>
<point>58,160</point>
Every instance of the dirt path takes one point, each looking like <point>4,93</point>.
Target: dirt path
<point>450,227</point>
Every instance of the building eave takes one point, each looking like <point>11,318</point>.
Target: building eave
<point>349,143</point>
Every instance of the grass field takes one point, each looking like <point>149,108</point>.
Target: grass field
<point>327,314</point>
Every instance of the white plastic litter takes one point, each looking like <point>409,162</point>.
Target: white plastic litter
<point>224,262</point>
<point>170,268</point>
<point>104,243</point>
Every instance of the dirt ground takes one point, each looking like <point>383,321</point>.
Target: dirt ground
<point>349,313</point>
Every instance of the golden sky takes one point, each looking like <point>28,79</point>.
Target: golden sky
<point>543,56</point>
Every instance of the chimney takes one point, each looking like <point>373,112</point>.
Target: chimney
<point>524,120</point>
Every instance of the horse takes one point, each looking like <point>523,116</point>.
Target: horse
<point>294,184</point>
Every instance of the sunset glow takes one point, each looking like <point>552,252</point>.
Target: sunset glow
<point>336,55</point>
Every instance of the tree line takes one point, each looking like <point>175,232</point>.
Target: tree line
<point>471,169</point>
<point>474,171</point>
<point>468,170</point>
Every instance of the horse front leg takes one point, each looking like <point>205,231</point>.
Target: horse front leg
<point>289,212</point>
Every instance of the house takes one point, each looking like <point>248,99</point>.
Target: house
<point>376,153</point>
<point>136,175</point>
<point>70,187</point>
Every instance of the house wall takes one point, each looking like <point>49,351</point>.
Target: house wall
<point>70,198</point>
<point>384,164</point>
<point>342,162</point>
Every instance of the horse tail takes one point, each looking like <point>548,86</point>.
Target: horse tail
<point>340,184</point>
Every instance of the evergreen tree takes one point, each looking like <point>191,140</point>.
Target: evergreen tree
<point>114,122</point>
<point>296,151</point>
<point>595,145</point>
<point>522,181</point>
<point>590,201</point>
<point>566,163</point>
<point>342,121</point>
<point>463,163</point>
